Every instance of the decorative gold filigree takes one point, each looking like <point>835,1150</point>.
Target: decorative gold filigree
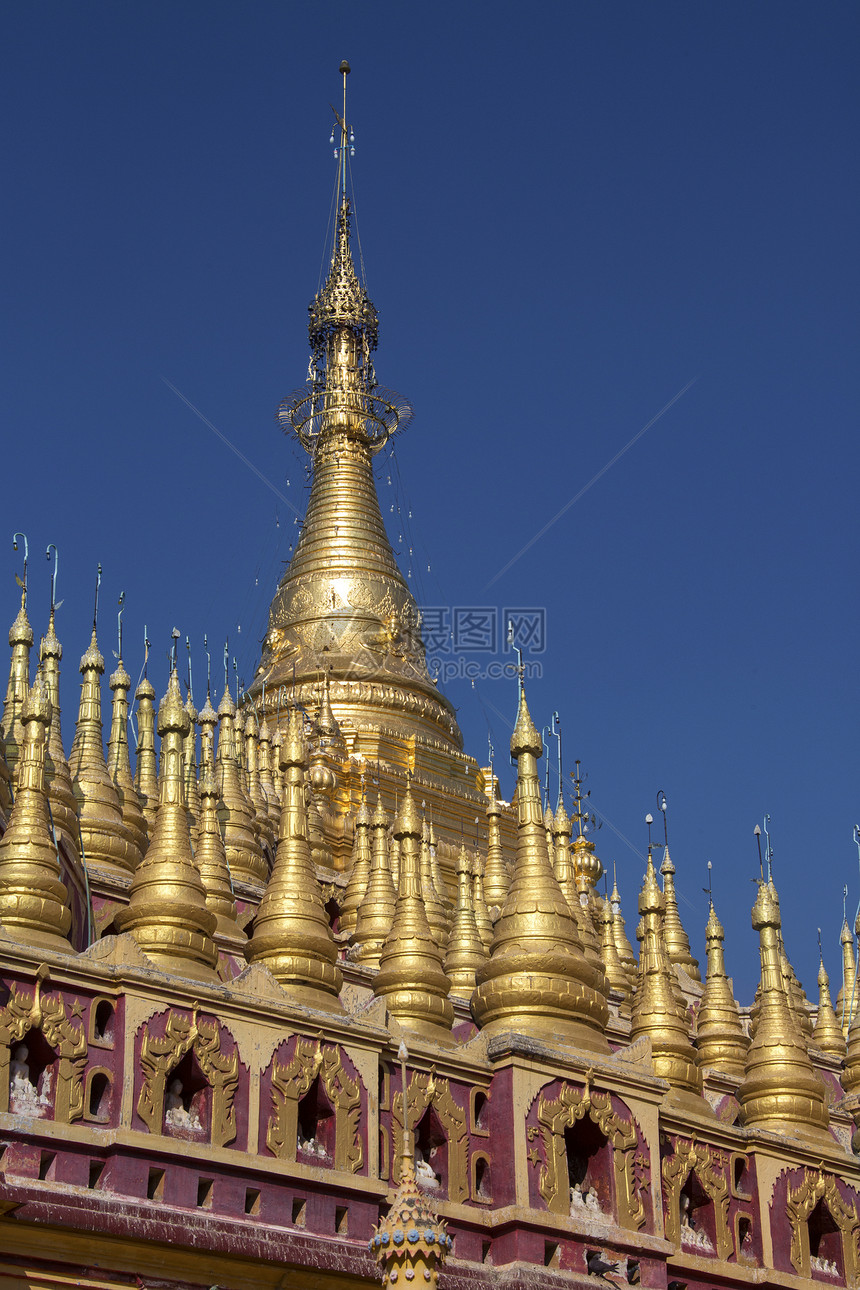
<point>800,1202</point>
<point>291,1081</point>
<point>427,1090</point>
<point>709,1168</point>
<point>158,1057</point>
<point>65,1036</point>
<point>629,1166</point>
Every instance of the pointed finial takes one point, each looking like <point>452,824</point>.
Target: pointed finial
<point>51,547</point>
<point>649,820</point>
<point>22,582</point>
<point>96,602</point>
<point>190,682</point>
<point>768,850</point>
<point>556,723</point>
<point>121,603</point>
<point>147,643</point>
<point>175,636</point>
<point>227,663</point>
<point>757,835</point>
<point>208,665</point>
<point>661,806</point>
<point>707,889</point>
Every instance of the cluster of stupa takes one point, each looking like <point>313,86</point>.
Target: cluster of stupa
<point>526,942</point>
<point>285,891</point>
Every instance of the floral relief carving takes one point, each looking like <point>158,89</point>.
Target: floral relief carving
<point>801,1201</point>
<point>64,1034</point>
<point>424,1091</point>
<point>630,1166</point>
<point>292,1080</point>
<point>709,1167</point>
<point>159,1056</point>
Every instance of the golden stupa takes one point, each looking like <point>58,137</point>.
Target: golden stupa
<point>211,970</point>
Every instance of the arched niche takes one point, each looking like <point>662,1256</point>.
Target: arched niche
<point>479,1111</point>
<point>102,1021</point>
<point>315,1126</point>
<point>98,1095</point>
<point>431,1153</point>
<point>823,1226</point>
<point>697,1225</point>
<point>482,1178</point>
<point>588,1158</point>
<point>187,1101</point>
<point>32,1076</point>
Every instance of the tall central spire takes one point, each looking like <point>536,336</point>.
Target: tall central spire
<point>343,606</point>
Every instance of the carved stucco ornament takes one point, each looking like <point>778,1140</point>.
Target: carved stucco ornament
<point>65,1036</point>
<point>291,1081</point>
<point>709,1168</point>
<point>801,1201</point>
<point>428,1090</point>
<point>159,1056</point>
<point>629,1165</point>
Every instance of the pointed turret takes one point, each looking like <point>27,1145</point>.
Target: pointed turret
<point>466,951</point>
<point>780,1090</point>
<point>656,1013</point>
<point>437,916</point>
<point>722,1041</point>
<point>537,978</point>
<point>846,999</point>
<point>562,866</point>
<point>167,913</point>
<point>359,875</point>
<point>267,779</point>
<point>622,944</point>
<point>479,901</point>
<point>106,841</point>
<point>244,855</point>
<point>617,979</point>
<point>292,936</point>
<point>119,766</point>
<point>257,794</point>
<point>189,762</point>
<point>146,769</point>
<point>439,884</point>
<point>33,899</point>
<point>411,978</point>
<point>497,879</point>
<point>58,779</point>
<point>376,911</point>
<point>827,1036</point>
<point>676,939</point>
<point>20,642</point>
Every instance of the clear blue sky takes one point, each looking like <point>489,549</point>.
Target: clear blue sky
<point>567,213</point>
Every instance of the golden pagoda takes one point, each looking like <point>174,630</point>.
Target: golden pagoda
<point>200,1032</point>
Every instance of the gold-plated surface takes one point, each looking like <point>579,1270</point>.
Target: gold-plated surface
<point>105,839</point>
<point>616,978</point>
<point>720,1036</point>
<point>675,938</point>
<point>211,860</point>
<point>827,1036</point>
<point>780,1090</point>
<point>847,999</point>
<point>479,901</point>
<point>167,913</point>
<point>562,863</point>
<point>33,900</point>
<point>376,911</point>
<point>343,606</point>
<point>466,951</point>
<point>146,769</point>
<point>622,944</point>
<point>20,641</point>
<point>656,1013</point>
<point>497,878</point>
<point>292,936</point>
<point>119,767</point>
<point>360,872</point>
<point>58,780</point>
<point>437,915</point>
<point>537,977</point>
<point>403,1261</point>
<point>244,854</point>
<point>411,978</point>
<point>267,779</point>
<point>266,834</point>
<point>189,762</point>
